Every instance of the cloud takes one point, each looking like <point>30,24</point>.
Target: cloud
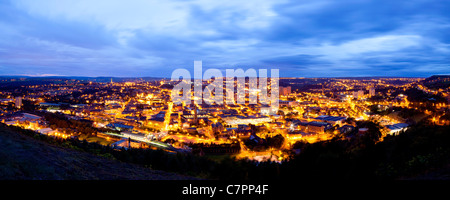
<point>386,43</point>
<point>152,38</point>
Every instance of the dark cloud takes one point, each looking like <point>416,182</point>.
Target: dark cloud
<point>76,33</point>
<point>301,38</point>
<point>297,60</point>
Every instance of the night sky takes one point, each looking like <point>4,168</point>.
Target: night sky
<point>301,38</point>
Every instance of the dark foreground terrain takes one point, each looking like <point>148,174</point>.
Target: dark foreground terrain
<point>25,158</point>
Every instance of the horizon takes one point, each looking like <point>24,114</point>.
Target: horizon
<point>285,77</point>
<point>320,38</point>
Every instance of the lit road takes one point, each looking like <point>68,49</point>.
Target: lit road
<point>167,117</point>
<point>139,138</point>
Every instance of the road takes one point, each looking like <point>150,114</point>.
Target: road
<point>144,139</point>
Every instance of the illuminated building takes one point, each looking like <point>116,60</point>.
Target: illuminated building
<point>396,128</point>
<point>334,120</point>
<point>318,127</point>
<point>287,103</point>
<point>267,110</point>
<point>235,120</point>
<point>285,90</point>
<point>362,131</point>
<point>46,131</point>
<point>358,94</point>
<point>310,127</point>
<point>372,92</point>
<point>18,102</point>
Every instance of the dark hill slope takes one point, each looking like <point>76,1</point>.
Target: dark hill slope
<point>25,158</point>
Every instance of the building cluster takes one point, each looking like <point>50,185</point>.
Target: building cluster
<point>143,112</point>
<point>33,122</point>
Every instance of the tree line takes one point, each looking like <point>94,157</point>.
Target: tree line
<point>79,127</point>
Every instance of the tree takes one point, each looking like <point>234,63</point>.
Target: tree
<point>280,112</point>
<point>276,141</point>
<point>373,134</point>
<point>350,120</point>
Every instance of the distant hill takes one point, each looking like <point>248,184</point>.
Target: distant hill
<point>437,82</point>
<point>25,158</point>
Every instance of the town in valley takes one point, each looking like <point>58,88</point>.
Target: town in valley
<point>126,113</point>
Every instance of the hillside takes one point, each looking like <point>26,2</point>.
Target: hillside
<point>25,158</point>
<point>437,82</point>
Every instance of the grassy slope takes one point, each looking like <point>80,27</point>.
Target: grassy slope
<point>22,157</point>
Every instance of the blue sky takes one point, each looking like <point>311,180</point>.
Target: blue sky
<point>301,38</point>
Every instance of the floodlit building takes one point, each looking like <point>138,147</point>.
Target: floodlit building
<point>18,102</point>
<point>396,128</point>
<point>358,94</point>
<point>362,131</point>
<point>372,92</point>
<point>267,110</point>
<point>285,90</point>
<point>46,131</point>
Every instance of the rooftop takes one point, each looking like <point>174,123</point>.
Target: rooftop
<point>330,118</point>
